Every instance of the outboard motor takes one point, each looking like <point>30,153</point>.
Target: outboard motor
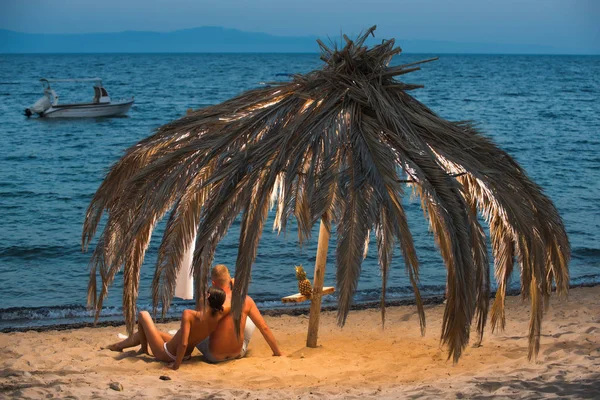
<point>44,103</point>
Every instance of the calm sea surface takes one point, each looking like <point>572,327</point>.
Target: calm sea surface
<point>543,110</point>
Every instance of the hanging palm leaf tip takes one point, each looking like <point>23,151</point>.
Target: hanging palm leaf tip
<point>339,143</point>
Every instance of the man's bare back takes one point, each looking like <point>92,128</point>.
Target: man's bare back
<point>223,343</point>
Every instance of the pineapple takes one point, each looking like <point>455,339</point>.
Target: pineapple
<point>304,285</point>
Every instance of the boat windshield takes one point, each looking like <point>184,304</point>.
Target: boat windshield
<point>97,94</point>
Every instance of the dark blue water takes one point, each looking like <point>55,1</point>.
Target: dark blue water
<point>543,110</point>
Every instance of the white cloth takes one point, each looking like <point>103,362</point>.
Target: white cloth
<point>184,288</point>
<point>248,331</point>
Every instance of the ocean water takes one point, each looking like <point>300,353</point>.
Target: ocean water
<point>543,110</point>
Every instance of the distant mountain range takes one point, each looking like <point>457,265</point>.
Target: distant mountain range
<point>222,40</point>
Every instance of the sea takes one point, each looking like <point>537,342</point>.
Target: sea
<point>543,110</point>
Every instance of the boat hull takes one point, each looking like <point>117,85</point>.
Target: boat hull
<point>88,110</point>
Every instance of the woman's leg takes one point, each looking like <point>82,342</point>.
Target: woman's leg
<point>150,336</point>
<point>142,336</point>
<point>131,341</point>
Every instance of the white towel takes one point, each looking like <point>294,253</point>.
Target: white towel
<point>184,288</point>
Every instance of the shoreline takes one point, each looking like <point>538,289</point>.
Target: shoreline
<point>275,312</point>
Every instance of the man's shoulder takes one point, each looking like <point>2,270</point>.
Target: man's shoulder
<point>249,303</point>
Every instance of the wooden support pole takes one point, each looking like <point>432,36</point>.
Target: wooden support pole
<point>315,302</point>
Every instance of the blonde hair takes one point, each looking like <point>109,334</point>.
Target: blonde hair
<point>220,275</point>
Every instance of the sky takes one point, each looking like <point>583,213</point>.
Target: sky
<point>567,24</point>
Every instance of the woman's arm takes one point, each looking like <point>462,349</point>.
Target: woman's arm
<point>186,324</point>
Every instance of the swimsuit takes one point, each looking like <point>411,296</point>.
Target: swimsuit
<point>171,356</point>
<point>204,346</point>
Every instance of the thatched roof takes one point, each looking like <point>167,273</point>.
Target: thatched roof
<point>342,142</point>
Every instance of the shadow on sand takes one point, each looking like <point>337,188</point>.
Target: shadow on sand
<point>587,388</point>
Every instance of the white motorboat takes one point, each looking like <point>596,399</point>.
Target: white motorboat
<point>101,106</point>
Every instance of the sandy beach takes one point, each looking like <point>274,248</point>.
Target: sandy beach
<point>358,361</point>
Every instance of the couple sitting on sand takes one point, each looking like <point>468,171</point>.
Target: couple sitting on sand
<point>211,330</point>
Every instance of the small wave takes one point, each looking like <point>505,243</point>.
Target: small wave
<point>586,253</point>
<point>37,252</point>
<point>18,193</point>
<point>28,316</point>
<point>585,280</point>
<point>24,194</point>
<point>21,158</point>
<point>16,314</point>
<point>514,94</point>
<point>548,114</point>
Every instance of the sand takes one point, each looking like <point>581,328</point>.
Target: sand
<point>358,361</point>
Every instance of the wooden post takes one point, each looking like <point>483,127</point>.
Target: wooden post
<point>315,302</point>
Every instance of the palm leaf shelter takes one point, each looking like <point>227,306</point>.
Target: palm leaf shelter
<point>338,146</point>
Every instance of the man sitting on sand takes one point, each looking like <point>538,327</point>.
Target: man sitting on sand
<point>223,343</point>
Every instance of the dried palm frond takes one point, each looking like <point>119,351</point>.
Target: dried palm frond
<point>340,142</point>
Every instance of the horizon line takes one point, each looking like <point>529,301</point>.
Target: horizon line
<point>534,49</point>
<point>289,53</point>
